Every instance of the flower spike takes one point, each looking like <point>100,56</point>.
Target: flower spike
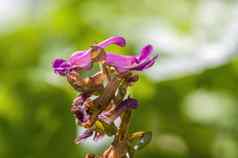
<point>103,98</point>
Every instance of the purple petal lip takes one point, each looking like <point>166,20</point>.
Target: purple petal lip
<point>60,66</point>
<point>129,103</point>
<point>58,62</point>
<point>138,63</point>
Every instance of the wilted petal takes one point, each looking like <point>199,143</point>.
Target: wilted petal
<point>118,40</point>
<point>129,103</point>
<point>110,116</point>
<point>79,110</point>
<point>84,135</point>
<point>132,78</point>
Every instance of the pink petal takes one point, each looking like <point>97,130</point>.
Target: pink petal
<point>145,52</point>
<point>117,40</point>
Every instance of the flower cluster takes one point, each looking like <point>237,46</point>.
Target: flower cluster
<point>103,96</point>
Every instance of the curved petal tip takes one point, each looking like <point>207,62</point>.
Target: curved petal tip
<point>145,52</point>
<point>117,40</point>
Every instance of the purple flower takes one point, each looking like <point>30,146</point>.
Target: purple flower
<point>111,116</point>
<point>83,59</point>
<point>129,63</point>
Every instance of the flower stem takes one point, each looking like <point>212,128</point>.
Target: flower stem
<point>123,129</point>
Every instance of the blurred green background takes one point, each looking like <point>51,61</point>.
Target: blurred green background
<point>188,99</point>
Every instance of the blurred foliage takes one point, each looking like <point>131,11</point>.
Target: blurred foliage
<point>35,120</point>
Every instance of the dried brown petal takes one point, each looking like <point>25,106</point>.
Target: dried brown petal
<point>88,84</point>
<point>97,54</point>
<point>102,102</point>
